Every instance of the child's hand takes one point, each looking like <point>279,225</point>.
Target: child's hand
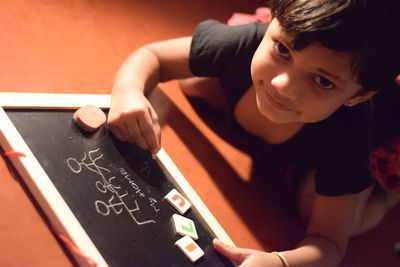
<point>247,257</point>
<point>133,119</point>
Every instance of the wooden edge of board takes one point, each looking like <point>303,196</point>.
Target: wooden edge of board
<point>193,197</point>
<point>52,101</point>
<point>44,191</point>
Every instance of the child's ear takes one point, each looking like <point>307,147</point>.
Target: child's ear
<point>359,98</point>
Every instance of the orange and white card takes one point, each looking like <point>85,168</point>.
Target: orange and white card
<point>190,248</point>
<point>180,203</point>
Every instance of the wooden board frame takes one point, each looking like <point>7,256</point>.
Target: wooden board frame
<point>44,191</point>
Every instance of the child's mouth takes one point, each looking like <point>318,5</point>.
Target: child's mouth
<point>275,102</point>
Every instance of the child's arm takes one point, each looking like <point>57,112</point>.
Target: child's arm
<point>332,221</point>
<point>131,117</point>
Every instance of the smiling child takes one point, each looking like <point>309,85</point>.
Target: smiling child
<point>303,85</point>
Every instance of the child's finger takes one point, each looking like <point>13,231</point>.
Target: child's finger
<point>157,129</point>
<point>119,130</point>
<point>148,131</point>
<point>114,129</point>
<point>236,255</point>
<point>135,136</point>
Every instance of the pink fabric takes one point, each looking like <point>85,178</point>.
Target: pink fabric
<point>262,14</point>
<point>385,165</point>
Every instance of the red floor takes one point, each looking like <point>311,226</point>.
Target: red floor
<point>76,46</point>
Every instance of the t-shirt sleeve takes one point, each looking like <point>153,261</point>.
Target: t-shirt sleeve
<point>216,46</point>
<point>343,162</point>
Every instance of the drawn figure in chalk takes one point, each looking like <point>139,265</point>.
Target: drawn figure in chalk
<point>103,187</point>
<point>104,208</point>
<point>88,162</point>
<point>115,202</point>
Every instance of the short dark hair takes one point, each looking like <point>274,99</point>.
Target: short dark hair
<point>368,29</point>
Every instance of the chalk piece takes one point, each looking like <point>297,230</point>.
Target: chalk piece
<point>89,118</point>
<point>184,226</point>
<point>178,201</point>
<point>190,248</point>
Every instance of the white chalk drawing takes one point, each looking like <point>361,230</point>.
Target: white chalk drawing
<point>153,204</point>
<point>145,171</point>
<point>108,184</point>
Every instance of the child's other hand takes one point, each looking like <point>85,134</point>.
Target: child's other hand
<point>247,257</point>
<point>132,119</point>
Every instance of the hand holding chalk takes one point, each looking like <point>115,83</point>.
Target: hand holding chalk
<point>132,119</point>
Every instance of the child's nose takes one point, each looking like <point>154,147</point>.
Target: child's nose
<point>284,85</point>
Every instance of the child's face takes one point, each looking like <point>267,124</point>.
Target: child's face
<point>300,86</point>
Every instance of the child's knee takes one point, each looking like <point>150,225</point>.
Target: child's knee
<point>208,89</point>
<point>371,208</point>
<point>392,199</point>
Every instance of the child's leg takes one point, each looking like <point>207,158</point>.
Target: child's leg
<point>377,206</point>
<point>208,89</point>
<point>372,206</point>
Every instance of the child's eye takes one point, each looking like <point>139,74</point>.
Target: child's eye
<point>324,83</point>
<point>281,49</point>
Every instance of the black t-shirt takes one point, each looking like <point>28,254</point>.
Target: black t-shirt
<point>337,147</point>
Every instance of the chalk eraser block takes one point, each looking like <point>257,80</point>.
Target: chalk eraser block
<point>184,226</point>
<point>89,118</point>
<point>191,250</point>
<point>180,203</point>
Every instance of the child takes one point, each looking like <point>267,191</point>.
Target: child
<point>302,85</point>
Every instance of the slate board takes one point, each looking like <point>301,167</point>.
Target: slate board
<point>115,190</point>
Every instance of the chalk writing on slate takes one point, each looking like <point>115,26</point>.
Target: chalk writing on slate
<point>108,183</point>
<point>114,189</point>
